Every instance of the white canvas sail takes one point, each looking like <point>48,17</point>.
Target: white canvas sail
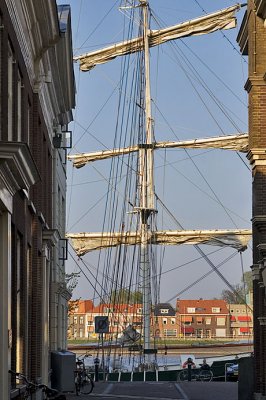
<point>86,242</point>
<point>143,190</point>
<point>223,19</point>
<point>237,142</point>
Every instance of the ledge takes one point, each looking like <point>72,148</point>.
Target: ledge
<point>259,221</point>
<point>51,235</point>
<point>17,166</point>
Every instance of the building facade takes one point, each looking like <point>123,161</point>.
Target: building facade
<point>200,319</point>
<point>37,96</point>
<point>165,321</point>
<point>241,321</point>
<point>203,318</point>
<point>81,323</point>
<point>252,41</point>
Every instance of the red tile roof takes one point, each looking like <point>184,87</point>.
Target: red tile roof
<point>83,306</point>
<point>118,308</point>
<point>201,306</point>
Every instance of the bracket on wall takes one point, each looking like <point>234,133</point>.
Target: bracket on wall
<point>63,249</point>
<point>63,140</point>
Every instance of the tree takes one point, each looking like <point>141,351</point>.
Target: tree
<point>125,296</point>
<point>247,280</point>
<point>235,296</point>
<point>238,293</point>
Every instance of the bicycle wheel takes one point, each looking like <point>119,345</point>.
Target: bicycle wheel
<point>78,379</point>
<point>205,376</point>
<point>183,375</point>
<point>87,384</point>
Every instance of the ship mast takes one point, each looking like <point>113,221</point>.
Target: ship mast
<point>146,162</point>
<point>145,236</point>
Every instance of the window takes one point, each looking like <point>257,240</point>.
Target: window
<point>221,321</point>
<point>172,321</point>
<point>187,320</point>
<point>208,320</point>
<point>199,333</point>
<point>10,93</point>
<point>81,320</point>
<point>75,320</point>
<point>139,311</point>
<point>81,333</point>
<point>170,332</point>
<point>164,311</point>
<point>19,101</point>
<point>28,122</point>
<point>164,321</point>
<point>90,323</point>
<point>191,309</point>
<point>216,309</point>
<point>199,320</point>
<point>208,333</point>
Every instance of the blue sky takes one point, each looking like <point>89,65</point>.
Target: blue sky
<point>193,191</point>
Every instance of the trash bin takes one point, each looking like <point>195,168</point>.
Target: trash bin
<point>245,378</point>
<point>63,364</point>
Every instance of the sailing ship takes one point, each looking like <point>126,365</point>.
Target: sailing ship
<point>126,247</point>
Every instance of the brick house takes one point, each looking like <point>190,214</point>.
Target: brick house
<point>203,318</point>
<point>37,96</point>
<point>80,319</point>
<point>165,321</point>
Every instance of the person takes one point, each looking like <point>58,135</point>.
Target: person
<point>189,362</point>
<point>204,366</point>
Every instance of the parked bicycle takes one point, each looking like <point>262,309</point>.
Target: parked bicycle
<point>31,388</point>
<point>83,381</point>
<point>196,375</point>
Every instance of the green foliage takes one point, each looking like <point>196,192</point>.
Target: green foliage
<point>247,280</point>
<point>125,296</point>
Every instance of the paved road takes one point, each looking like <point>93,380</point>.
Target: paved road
<point>162,391</point>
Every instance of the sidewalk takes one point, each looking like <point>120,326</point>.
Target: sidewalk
<point>163,391</point>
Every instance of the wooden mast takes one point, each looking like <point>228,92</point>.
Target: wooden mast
<point>147,189</point>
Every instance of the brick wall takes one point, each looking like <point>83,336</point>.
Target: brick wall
<point>256,87</point>
<point>26,223</point>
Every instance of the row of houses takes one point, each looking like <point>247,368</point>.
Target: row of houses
<point>189,319</point>
<point>37,95</point>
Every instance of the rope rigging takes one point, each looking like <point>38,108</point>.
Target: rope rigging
<point>118,269</point>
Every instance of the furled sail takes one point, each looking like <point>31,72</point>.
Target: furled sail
<point>223,19</point>
<point>237,142</point>
<point>86,242</point>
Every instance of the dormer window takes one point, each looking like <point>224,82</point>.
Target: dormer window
<point>216,309</point>
<point>164,311</point>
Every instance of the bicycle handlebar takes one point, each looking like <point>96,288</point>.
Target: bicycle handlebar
<point>21,377</point>
<point>42,386</point>
<point>82,357</point>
